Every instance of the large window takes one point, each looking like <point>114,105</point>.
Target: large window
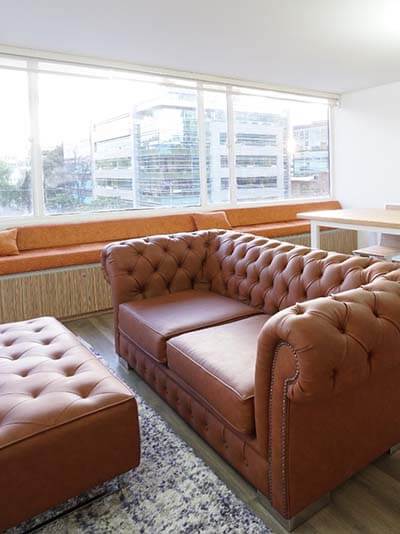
<point>82,139</point>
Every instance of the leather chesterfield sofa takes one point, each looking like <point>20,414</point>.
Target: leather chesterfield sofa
<point>284,359</point>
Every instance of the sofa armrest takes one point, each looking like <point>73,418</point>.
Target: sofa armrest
<point>336,340</point>
<point>326,391</point>
<point>154,266</point>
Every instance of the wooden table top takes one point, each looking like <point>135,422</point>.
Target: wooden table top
<point>364,217</point>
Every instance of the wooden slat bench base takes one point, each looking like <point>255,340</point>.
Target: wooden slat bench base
<point>60,293</point>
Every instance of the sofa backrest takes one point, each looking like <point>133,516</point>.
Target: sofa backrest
<point>66,234</point>
<point>157,265</point>
<point>272,275</point>
<point>264,273</point>
<point>275,213</point>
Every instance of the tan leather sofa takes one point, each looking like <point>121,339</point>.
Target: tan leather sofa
<point>284,359</point>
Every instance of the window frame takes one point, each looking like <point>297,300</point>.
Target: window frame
<point>202,83</point>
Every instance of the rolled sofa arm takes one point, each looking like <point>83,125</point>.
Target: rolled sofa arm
<point>327,392</point>
<point>154,266</point>
<point>336,339</point>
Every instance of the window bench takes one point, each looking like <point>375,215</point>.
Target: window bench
<point>58,269</point>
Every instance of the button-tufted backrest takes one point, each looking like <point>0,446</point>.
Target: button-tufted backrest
<point>267,274</point>
<point>272,275</point>
<point>156,265</point>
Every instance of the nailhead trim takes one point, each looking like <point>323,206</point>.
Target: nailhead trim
<point>284,427</point>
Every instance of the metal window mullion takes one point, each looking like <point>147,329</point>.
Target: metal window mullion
<point>202,146</point>
<point>331,148</point>
<point>36,154</point>
<point>231,147</point>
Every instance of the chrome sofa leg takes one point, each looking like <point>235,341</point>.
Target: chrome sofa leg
<point>394,449</point>
<point>301,517</point>
<point>123,363</point>
<point>121,483</point>
<point>123,480</point>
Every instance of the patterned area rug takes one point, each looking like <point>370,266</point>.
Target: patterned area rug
<point>172,491</point>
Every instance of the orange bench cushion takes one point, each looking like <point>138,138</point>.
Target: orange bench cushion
<point>276,229</point>
<point>61,235</point>
<point>275,214</point>
<point>49,246</point>
<point>51,258</point>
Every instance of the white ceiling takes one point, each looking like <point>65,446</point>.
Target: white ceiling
<point>326,45</point>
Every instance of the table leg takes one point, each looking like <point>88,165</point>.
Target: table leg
<point>315,235</point>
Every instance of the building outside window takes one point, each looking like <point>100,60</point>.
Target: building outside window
<point>310,173</point>
<point>78,139</point>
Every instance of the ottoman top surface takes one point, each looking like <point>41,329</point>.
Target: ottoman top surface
<point>48,378</point>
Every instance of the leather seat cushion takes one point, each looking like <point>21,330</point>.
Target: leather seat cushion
<point>218,363</point>
<point>149,323</point>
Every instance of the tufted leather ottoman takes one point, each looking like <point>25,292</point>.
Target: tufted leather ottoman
<point>66,423</point>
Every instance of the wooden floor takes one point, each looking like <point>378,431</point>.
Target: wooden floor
<point>367,503</point>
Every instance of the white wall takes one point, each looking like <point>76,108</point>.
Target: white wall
<point>367,148</point>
